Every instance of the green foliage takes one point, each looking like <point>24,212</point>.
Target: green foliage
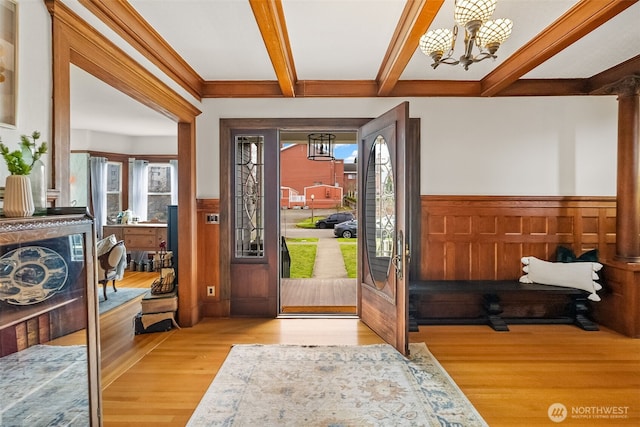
<point>303,258</point>
<point>309,222</point>
<point>350,255</point>
<point>20,162</point>
<point>302,240</point>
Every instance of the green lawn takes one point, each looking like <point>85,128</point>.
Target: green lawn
<point>303,257</point>
<point>308,223</point>
<point>350,254</point>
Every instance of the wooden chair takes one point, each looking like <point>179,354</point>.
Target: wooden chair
<point>108,266</point>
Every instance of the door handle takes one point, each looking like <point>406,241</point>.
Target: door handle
<point>397,260</point>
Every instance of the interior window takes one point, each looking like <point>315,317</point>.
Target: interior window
<point>114,191</point>
<point>158,191</point>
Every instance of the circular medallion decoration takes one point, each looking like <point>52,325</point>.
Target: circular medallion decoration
<point>31,274</point>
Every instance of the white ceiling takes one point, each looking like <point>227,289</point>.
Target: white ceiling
<point>330,40</point>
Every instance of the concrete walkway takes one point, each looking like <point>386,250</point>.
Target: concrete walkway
<point>329,262</point>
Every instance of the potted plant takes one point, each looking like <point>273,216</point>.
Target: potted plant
<point>18,196</point>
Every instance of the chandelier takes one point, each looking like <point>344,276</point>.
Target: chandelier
<point>487,35</point>
<point>320,146</point>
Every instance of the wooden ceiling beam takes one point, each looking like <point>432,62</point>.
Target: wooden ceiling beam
<point>404,88</point>
<point>416,18</point>
<point>546,87</point>
<point>241,89</point>
<point>627,68</point>
<point>580,20</point>
<point>122,18</point>
<point>270,19</point>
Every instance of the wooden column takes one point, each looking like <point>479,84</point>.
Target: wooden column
<point>628,186</point>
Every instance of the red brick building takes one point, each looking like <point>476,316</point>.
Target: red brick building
<point>300,176</point>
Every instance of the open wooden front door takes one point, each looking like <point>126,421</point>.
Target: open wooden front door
<point>383,254</point>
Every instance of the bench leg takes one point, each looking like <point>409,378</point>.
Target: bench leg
<point>493,311</point>
<point>413,310</point>
<point>580,309</point>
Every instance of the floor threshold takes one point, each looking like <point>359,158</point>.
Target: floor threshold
<point>316,316</point>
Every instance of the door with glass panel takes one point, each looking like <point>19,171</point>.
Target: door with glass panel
<point>382,202</point>
<point>254,223</point>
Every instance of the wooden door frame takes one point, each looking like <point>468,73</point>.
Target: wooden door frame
<point>297,124</point>
<point>75,42</point>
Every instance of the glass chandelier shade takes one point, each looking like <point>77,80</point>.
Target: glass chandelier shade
<point>437,42</point>
<point>473,10</point>
<point>494,33</point>
<point>474,16</point>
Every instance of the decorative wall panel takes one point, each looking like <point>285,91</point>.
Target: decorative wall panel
<point>481,237</point>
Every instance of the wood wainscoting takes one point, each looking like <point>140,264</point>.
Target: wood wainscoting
<point>208,258</point>
<point>485,237</point>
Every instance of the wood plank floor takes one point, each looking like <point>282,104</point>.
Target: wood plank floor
<point>318,295</point>
<point>511,377</point>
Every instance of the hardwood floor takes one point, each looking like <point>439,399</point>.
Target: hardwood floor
<point>511,377</point>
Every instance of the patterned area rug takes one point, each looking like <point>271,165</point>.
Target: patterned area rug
<point>115,299</point>
<point>43,386</point>
<point>335,386</point>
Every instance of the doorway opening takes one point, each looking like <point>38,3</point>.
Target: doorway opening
<point>318,226</point>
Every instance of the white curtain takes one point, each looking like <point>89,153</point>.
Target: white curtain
<point>98,176</point>
<point>174,181</point>
<point>138,187</point>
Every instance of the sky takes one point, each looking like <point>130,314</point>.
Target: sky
<point>348,152</point>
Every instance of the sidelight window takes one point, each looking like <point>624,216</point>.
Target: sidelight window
<point>249,196</point>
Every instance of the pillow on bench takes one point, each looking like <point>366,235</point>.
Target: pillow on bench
<point>580,275</point>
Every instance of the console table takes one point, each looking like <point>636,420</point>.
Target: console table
<point>138,237</point>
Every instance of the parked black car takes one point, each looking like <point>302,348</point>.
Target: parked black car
<point>333,219</point>
<point>346,229</point>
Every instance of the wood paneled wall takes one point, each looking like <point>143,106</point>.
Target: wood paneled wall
<point>209,262</point>
<point>620,306</point>
<point>484,237</point>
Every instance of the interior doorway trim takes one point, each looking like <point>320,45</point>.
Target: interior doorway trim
<point>227,126</point>
<point>75,42</point>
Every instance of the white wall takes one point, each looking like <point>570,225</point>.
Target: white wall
<point>34,78</point>
<point>86,140</point>
<point>497,146</point>
<point>544,146</point>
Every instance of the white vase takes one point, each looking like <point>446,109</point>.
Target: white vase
<point>38,180</point>
<point>18,199</point>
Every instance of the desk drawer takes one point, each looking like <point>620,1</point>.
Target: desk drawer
<point>161,234</point>
<point>141,242</point>
<point>142,231</point>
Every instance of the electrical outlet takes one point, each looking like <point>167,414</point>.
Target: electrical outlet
<point>211,291</point>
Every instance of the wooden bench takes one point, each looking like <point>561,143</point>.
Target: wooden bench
<point>576,312</point>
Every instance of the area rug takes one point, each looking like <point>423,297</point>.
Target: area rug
<point>287,385</point>
<point>45,386</point>
<point>115,299</point>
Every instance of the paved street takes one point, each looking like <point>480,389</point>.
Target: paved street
<point>290,217</point>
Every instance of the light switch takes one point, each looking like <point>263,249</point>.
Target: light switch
<point>213,218</point>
